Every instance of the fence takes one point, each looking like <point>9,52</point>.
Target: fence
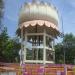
<point>51,69</point>
<point>7,73</point>
<point>38,69</point>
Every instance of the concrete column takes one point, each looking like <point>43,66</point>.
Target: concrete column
<point>21,61</point>
<point>44,49</point>
<point>25,44</point>
<point>53,42</point>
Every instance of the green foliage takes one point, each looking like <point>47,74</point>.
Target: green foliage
<point>59,53</point>
<point>9,48</point>
<point>68,44</point>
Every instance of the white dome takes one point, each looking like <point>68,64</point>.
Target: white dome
<point>40,11</point>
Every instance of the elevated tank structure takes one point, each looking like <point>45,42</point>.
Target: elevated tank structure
<point>38,27</point>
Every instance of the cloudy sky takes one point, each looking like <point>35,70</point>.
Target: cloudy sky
<point>66,10</point>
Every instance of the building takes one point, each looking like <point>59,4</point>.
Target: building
<point>38,27</point>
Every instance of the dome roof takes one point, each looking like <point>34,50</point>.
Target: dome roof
<point>40,14</point>
<point>38,11</point>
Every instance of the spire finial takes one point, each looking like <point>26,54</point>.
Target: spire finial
<point>33,1</point>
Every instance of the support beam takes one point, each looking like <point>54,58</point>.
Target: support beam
<point>25,43</point>
<point>44,50</point>
<point>53,50</point>
<point>21,60</point>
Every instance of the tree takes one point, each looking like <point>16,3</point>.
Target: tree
<point>1,13</point>
<point>59,54</point>
<point>3,41</point>
<point>9,48</point>
<point>68,44</point>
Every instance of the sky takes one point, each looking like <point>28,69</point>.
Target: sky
<point>66,10</point>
